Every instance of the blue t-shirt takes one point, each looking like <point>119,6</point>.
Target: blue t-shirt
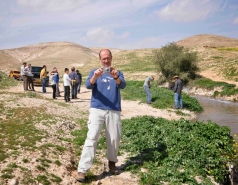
<point>105,92</point>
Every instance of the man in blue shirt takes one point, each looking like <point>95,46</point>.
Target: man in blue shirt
<point>105,107</point>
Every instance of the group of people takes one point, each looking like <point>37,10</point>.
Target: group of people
<point>178,86</point>
<point>27,77</point>
<point>72,79</point>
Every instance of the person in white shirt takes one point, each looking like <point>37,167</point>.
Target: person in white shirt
<point>52,79</point>
<point>24,71</point>
<point>30,78</point>
<point>67,81</point>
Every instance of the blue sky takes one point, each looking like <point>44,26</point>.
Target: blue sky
<point>125,24</point>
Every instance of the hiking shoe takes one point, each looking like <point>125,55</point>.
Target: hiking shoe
<point>81,177</point>
<point>112,168</point>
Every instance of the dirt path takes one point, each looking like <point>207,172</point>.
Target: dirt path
<point>129,108</point>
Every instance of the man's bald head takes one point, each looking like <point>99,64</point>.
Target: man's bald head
<point>103,51</point>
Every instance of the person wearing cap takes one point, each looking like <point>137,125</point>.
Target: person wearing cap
<point>178,86</point>
<point>147,86</point>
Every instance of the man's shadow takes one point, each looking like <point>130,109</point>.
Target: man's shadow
<point>137,161</point>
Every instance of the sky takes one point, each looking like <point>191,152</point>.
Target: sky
<point>123,24</point>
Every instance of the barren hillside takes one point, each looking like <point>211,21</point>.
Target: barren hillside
<point>61,55</point>
<point>208,40</point>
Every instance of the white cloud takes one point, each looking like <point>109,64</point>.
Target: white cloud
<point>100,35</point>
<point>235,21</point>
<point>189,10</point>
<point>52,5</point>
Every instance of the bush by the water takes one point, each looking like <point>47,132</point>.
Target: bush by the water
<point>177,151</point>
<point>162,98</point>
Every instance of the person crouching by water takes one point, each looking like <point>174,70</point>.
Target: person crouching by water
<point>147,86</point>
<point>105,107</point>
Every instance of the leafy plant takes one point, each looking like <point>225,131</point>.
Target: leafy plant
<point>177,151</point>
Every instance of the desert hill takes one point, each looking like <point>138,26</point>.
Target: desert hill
<point>208,40</point>
<point>60,54</point>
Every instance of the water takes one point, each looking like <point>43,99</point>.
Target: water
<point>224,113</point>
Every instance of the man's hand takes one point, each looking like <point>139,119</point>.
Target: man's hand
<point>96,75</point>
<point>114,72</point>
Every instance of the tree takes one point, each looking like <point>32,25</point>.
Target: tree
<point>173,60</point>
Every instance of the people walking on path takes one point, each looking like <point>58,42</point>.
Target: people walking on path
<point>178,87</point>
<point>147,86</point>
<point>24,71</point>
<point>43,75</point>
<point>105,108</point>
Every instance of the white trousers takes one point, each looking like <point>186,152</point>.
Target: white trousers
<point>97,118</point>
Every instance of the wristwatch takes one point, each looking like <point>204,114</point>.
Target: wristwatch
<point>116,77</point>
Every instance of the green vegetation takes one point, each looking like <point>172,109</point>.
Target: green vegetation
<point>173,60</point>
<point>137,62</point>
<point>5,81</point>
<point>177,151</point>
<point>227,49</point>
<point>162,98</point>
<point>226,89</point>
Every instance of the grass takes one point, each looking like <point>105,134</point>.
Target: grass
<point>227,49</point>
<point>6,82</point>
<point>226,88</point>
<point>162,98</point>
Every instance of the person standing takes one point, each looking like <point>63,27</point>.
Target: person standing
<point>24,71</point>
<point>57,82</point>
<point>178,86</point>
<point>147,86</point>
<point>105,107</point>
<point>74,84</point>
<point>53,76</point>
<point>30,78</point>
<point>43,75</point>
<point>79,81</point>
<point>67,81</point>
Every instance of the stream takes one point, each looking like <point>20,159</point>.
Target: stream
<point>224,113</point>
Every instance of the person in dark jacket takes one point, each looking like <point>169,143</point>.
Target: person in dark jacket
<point>178,86</point>
<point>79,80</point>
